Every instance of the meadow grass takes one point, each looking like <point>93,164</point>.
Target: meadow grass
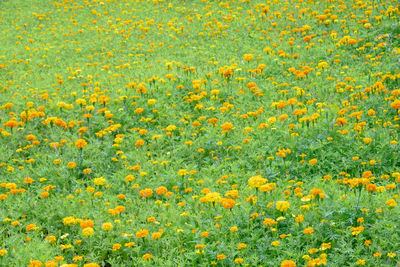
<point>198,133</point>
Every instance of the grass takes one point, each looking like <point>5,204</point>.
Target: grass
<point>204,132</point>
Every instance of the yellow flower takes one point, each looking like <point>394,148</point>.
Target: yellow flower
<point>282,205</point>
<point>151,101</point>
<point>91,265</point>
<point>107,226</point>
<point>116,247</point>
<point>238,260</point>
<point>256,181</point>
<point>3,252</point>
<point>242,245</point>
<point>51,239</point>
<point>360,262</point>
<point>391,255</point>
<point>312,162</point>
<point>299,218</point>
<point>367,140</point>
<point>35,263</point>
<point>99,181</point>
<point>248,57</point>
<point>71,165</point>
<point>391,203</point>
<point>156,235</point>
<point>88,231</point>
<point>308,230</point>
<point>275,243</point>
<point>233,229</point>
<point>129,244</point>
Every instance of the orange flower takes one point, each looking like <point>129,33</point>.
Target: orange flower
<point>395,104</point>
<point>220,257</point>
<point>71,165</point>
<point>248,57</point>
<point>391,203</point>
<point>288,263</point>
<point>142,233</point>
<point>308,230</point>
<point>161,190</point>
<point>44,194</point>
<point>146,192</point>
<point>139,142</point>
<point>86,224</point>
<point>80,143</point>
<point>228,203</point>
<point>147,256</point>
<point>226,127</point>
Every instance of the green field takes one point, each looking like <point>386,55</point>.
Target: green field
<point>199,132</point>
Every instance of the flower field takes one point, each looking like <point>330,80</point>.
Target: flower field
<point>199,133</point>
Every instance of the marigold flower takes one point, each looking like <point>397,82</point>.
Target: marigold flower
<point>241,245</point>
<point>282,205</point>
<point>161,190</point>
<point>147,256</point>
<point>288,263</point>
<point>226,127</point>
<point>312,162</point>
<point>391,203</point>
<point>107,226</point>
<point>44,194</point>
<point>35,263</point>
<point>146,192</point>
<point>228,203</point>
<point>395,104</point>
<point>92,264</point>
<point>142,233</point>
<point>221,257</point>
<point>3,252</point>
<point>308,230</point>
<point>360,262</point>
<point>80,143</point>
<point>88,231</point>
<point>156,235</point>
<point>87,224</point>
<point>269,222</point>
<point>256,181</point>
<point>116,247</point>
<point>51,239</point>
<point>238,260</point>
<point>248,57</point>
<point>99,181</point>
<point>31,227</point>
<point>275,243</point>
<point>71,165</point>
<point>139,142</point>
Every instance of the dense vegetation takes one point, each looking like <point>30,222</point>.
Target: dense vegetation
<point>197,133</point>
